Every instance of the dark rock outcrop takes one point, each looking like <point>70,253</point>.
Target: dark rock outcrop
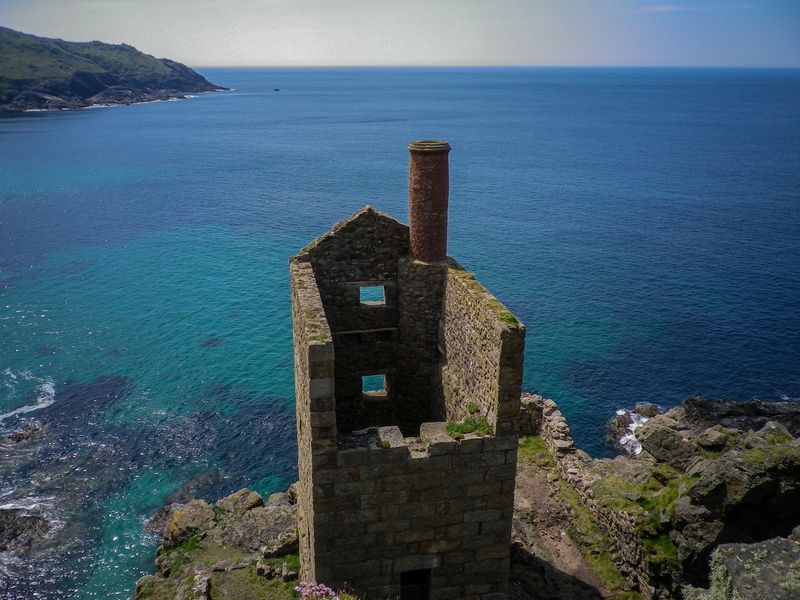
<point>711,473</point>
<point>750,493</point>
<point>767,570</point>
<point>29,431</point>
<point>746,416</point>
<point>21,529</point>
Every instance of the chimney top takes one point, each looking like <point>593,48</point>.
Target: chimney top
<point>428,146</point>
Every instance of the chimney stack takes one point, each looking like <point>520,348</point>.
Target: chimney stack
<point>428,192</point>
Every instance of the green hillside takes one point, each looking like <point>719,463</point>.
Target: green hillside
<point>41,73</point>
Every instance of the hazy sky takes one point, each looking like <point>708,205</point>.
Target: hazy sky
<point>429,32</point>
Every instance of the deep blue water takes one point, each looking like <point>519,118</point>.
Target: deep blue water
<point>644,224</point>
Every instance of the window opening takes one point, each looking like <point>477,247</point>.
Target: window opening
<point>372,294</point>
<point>373,383</point>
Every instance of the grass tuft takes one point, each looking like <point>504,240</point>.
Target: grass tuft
<point>478,425</point>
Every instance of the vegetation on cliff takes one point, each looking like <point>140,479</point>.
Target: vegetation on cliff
<point>706,478</point>
<point>709,502</point>
<point>43,73</point>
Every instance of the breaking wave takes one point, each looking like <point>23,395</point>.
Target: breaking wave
<point>628,440</point>
<point>44,393</point>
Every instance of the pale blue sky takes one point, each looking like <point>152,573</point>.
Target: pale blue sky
<point>430,32</point>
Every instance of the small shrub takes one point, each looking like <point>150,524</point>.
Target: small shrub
<point>473,408</point>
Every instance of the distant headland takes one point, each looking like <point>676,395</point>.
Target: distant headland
<point>38,73</point>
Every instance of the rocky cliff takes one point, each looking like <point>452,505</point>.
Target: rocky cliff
<point>711,500</point>
<point>710,473</point>
<point>39,73</point>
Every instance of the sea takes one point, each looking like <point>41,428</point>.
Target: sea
<point>644,224</point>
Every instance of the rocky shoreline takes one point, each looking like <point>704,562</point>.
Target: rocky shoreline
<point>715,486</point>
<point>711,472</point>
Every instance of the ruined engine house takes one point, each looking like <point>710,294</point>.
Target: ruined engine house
<point>393,340</point>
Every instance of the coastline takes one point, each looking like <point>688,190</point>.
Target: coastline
<point>161,98</point>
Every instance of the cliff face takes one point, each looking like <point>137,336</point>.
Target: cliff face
<point>50,74</point>
<point>711,499</point>
<point>712,472</point>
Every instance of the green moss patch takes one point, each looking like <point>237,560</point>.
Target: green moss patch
<point>533,450</point>
<point>474,424</point>
<point>246,584</point>
<point>593,542</point>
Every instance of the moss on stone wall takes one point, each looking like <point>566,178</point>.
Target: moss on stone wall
<point>594,543</point>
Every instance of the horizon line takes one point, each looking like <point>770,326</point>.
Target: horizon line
<point>444,66</point>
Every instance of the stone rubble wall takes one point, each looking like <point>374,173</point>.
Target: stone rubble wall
<point>372,509</point>
<point>540,416</point>
<point>482,356</point>
<point>401,504</point>
<point>315,405</point>
<point>421,292</point>
<point>363,249</point>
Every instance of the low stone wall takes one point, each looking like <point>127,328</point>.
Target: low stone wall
<point>539,416</point>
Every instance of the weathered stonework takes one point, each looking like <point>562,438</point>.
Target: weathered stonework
<point>388,502</point>
<point>540,416</point>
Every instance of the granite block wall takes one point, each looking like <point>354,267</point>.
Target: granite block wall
<point>384,490</point>
<point>393,504</point>
<point>315,403</point>
<point>482,352</point>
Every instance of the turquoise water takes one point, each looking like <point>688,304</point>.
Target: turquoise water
<point>644,224</point>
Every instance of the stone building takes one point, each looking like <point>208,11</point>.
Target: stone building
<point>393,341</point>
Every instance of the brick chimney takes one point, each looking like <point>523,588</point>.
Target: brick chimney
<point>428,191</point>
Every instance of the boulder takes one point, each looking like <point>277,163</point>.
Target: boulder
<point>158,522</point>
<point>662,438</point>
<point>240,502</point>
<point>713,438</point>
<point>647,410</point>
<point>279,499</point>
<point>271,526</point>
<point>186,521</point>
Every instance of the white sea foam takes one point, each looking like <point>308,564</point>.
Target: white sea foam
<point>29,504</point>
<point>628,440</point>
<point>45,396</point>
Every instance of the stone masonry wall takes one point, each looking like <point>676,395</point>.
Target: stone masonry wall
<point>541,417</point>
<point>394,505</point>
<point>362,249</point>
<point>376,504</point>
<point>421,293</point>
<point>482,346</point>
<point>315,404</point>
